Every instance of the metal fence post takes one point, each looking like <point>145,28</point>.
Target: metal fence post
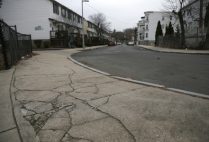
<point>31,47</point>
<point>16,50</point>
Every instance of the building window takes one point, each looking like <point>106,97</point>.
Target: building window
<point>90,25</point>
<point>146,35</point>
<point>188,12</point>
<point>63,12</point>
<point>79,20</point>
<point>147,27</point>
<point>74,17</point>
<point>69,15</point>
<point>147,18</point>
<point>55,8</point>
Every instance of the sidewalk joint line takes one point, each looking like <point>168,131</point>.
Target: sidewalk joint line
<point>8,130</point>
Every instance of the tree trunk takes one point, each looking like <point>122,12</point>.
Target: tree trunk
<point>181,20</point>
<point>207,39</point>
<point>201,19</point>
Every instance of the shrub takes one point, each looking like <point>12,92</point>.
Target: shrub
<point>38,43</point>
<point>46,44</point>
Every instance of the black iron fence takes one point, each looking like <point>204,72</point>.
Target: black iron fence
<point>69,40</point>
<point>13,45</point>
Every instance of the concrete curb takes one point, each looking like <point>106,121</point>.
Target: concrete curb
<point>87,67</point>
<point>193,94</point>
<point>174,51</point>
<point>91,48</point>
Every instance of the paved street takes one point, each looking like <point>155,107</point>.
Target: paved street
<point>56,100</point>
<point>182,71</point>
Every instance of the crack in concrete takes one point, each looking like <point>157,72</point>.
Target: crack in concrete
<point>92,121</point>
<point>67,134</point>
<point>99,110</point>
<point>111,116</point>
<point>8,130</point>
<point>68,138</point>
<point>38,120</point>
<point>106,102</point>
<point>114,94</point>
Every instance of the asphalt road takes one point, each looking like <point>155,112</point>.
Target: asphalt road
<point>181,71</point>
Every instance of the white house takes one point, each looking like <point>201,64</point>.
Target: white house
<point>141,30</point>
<point>148,24</point>
<point>39,17</point>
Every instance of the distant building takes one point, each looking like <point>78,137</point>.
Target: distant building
<point>148,24</point>
<point>141,30</point>
<point>39,17</point>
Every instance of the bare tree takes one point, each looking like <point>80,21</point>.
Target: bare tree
<point>176,6</point>
<point>102,24</point>
<point>118,35</point>
<point>129,34</point>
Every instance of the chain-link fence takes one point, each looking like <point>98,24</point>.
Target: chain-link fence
<point>13,45</point>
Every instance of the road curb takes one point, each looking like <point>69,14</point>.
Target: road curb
<point>193,94</point>
<point>87,67</point>
<point>178,52</point>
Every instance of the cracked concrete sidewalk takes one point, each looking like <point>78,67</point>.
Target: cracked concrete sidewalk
<point>55,100</point>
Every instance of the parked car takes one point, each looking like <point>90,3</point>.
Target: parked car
<point>119,43</point>
<point>111,43</point>
<point>131,43</point>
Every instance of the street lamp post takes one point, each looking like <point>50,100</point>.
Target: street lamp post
<point>83,38</point>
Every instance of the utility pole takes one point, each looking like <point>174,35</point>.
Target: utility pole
<point>83,36</point>
<point>201,19</point>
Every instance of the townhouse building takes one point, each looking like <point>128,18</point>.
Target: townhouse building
<point>148,24</point>
<point>91,30</point>
<point>140,31</point>
<point>41,18</point>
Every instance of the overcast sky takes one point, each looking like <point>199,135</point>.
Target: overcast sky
<point>120,13</point>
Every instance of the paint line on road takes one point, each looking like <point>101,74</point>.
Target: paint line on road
<point>193,94</point>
